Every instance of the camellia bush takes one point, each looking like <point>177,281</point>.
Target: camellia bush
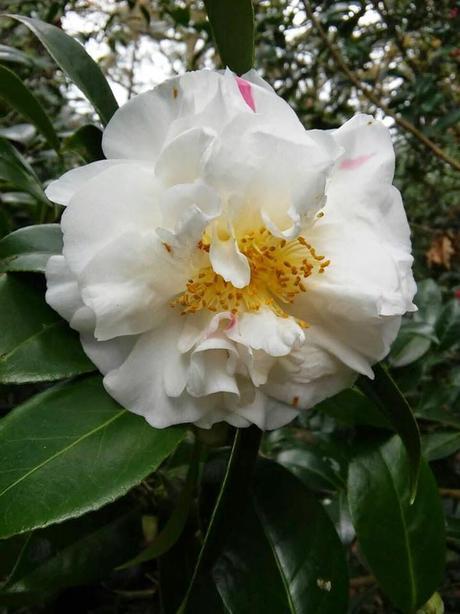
<point>224,391</point>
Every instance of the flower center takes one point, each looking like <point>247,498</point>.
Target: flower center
<point>279,269</point>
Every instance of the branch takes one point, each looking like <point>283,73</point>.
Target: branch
<point>368,93</point>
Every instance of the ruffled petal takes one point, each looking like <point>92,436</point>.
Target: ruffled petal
<point>62,190</point>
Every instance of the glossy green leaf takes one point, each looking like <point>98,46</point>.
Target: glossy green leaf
<point>72,449</point>
<point>403,543</point>
<point>429,301</point>
<point>72,553</point>
<point>29,248</point>
<point>383,391</point>
<point>74,61</point>
<point>435,403</point>
<point>311,467</point>
<point>410,345</point>
<point>233,490</point>
<point>15,170</point>
<point>232,23</point>
<point>440,444</point>
<point>20,98</point>
<point>453,527</point>
<point>87,142</point>
<point>283,554</point>
<point>36,344</point>
<point>353,408</point>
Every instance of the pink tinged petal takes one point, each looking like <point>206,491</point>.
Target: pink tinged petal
<point>246,91</point>
<point>351,164</point>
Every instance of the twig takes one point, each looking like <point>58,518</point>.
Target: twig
<point>368,93</point>
<point>362,581</point>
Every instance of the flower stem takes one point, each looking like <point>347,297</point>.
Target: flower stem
<point>234,488</point>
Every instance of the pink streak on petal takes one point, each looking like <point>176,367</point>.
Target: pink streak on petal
<point>246,91</point>
<point>231,322</point>
<point>351,164</point>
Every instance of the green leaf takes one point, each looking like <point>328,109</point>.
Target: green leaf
<point>448,326</point>
<point>429,301</point>
<point>403,543</point>
<point>29,248</point>
<point>15,170</point>
<point>19,97</point>
<point>232,23</point>
<point>87,142</point>
<point>383,391</point>
<point>14,56</point>
<point>232,491</point>
<point>453,527</point>
<point>351,407</point>
<point>440,444</point>
<point>73,60</point>
<point>311,467</point>
<point>72,553</point>
<point>410,345</point>
<point>36,344</point>
<point>172,531</point>
<point>70,450</point>
<point>283,554</point>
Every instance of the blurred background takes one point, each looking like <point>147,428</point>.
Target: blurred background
<point>396,59</point>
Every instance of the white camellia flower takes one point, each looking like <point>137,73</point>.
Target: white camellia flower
<point>224,263</point>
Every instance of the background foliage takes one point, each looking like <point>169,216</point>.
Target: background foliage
<point>397,59</point>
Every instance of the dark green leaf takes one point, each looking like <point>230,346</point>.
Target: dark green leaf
<point>36,344</point>
<point>453,527</point>
<point>283,554</point>
<point>448,326</point>
<point>232,23</point>
<point>352,407</point>
<point>409,347</point>
<point>15,170</point>
<point>440,444</point>
<point>311,467</point>
<point>20,98</point>
<point>76,552</point>
<point>435,403</point>
<point>87,142</point>
<point>11,55</point>
<point>403,543</point>
<point>72,449</point>
<point>233,490</point>
<point>383,391</point>
<point>429,301</point>
<point>29,248</point>
<point>73,60</point>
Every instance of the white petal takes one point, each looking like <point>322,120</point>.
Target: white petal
<point>143,381</point>
<point>128,282</point>
<point>212,368</point>
<point>120,199</point>
<point>63,189</point>
<point>226,258</point>
<point>265,331</point>
<point>180,161</point>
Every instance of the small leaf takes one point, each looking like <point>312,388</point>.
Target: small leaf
<point>74,61</point>
<point>16,171</point>
<point>440,444</point>
<point>36,344</point>
<point>87,142</point>
<point>72,553</point>
<point>383,391</point>
<point>232,23</point>
<point>312,468</point>
<point>429,301</point>
<point>448,326</point>
<point>70,450</point>
<point>29,248</point>
<point>403,543</point>
<point>15,56</point>
<point>17,95</point>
